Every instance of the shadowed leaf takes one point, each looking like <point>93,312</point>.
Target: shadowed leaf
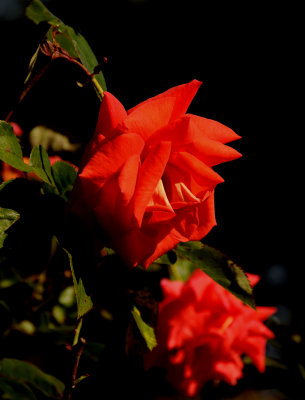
<point>7,219</point>
<point>41,165</point>
<point>30,375</point>
<point>63,38</point>
<point>11,153</point>
<point>13,389</point>
<point>37,12</point>
<point>64,175</point>
<point>84,302</point>
<point>10,150</point>
<point>146,331</point>
<point>219,267</point>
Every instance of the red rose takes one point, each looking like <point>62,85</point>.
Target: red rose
<point>147,175</point>
<point>202,332</point>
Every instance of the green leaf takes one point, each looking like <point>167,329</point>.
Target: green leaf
<point>64,175</point>
<point>11,153</point>
<point>219,267</point>
<point>84,302</point>
<point>41,165</point>
<point>38,12</point>
<point>10,150</point>
<point>13,389</point>
<point>146,331</point>
<point>8,139</point>
<point>31,375</point>
<point>7,219</point>
<point>66,39</point>
<point>87,57</point>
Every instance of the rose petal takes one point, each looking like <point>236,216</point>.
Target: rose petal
<point>106,207</point>
<point>149,176</point>
<point>255,349</point>
<point>206,216</point>
<point>111,113</point>
<point>127,179</point>
<point>171,290</point>
<point>200,172</point>
<point>254,279</point>
<point>265,312</point>
<point>149,117</point>
<point>159,198</point>
<point>163,244</point>
<point>182,196</point>
<point>113,208</point>
<point>130,250</point>
<point>228,371</point>
<point>107,161</point>
<point>177,131</point>
<point>183,95</point>
<point>214,130</point>
<point>198,283</point>
<point>159,208</point>
<point>210,151</point>
<point>186,135</point>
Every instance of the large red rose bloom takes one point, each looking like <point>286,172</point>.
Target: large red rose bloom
<point>146,175</point>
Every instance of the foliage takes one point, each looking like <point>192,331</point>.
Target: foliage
<point>192,255</point>
<point>20,373</point>
<point>62,40</point>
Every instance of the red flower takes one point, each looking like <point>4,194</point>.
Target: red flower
<point>147,175</point>
<point>202,332</point>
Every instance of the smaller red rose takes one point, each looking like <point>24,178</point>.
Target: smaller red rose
<point>202,332</point>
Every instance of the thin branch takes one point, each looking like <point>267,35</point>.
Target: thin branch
<point>77,350</point>
<point>28,87</point>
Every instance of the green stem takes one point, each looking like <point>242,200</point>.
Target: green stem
<point>98,88</point>
<point>77,350</point>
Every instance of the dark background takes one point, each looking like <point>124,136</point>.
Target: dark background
<point>248,60</point>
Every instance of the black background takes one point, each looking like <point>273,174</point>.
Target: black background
<point>248,59</point>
